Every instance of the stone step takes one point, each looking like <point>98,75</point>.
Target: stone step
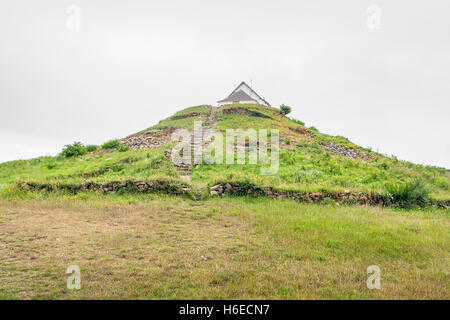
<point>185,169</point>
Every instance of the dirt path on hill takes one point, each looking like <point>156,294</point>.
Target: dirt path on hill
<point>212,119</point>
<point>186,170</point>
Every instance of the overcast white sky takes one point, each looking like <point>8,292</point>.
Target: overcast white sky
<point>134,62</point>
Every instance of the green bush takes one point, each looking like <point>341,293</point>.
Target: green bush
<point>286,109</point>
<point>410,194</point>
<point>383,165</point>
<point>111,144</point>
<point>314,129</point>
<point>123,148</point>
<point>118,167</point>
<point>73,150</point>
<point>91,148</point>
<point>51,165</point>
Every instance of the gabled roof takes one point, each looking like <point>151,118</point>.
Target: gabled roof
<point>231,97</point>
<point>238,96</point>
<point>243,82</point>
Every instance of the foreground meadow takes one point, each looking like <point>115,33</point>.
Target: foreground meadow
<point>165,247</point>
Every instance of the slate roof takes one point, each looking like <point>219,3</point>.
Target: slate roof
<point>238,96</point>
<point>241,95</point>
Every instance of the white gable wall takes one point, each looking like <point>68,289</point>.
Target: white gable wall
<point>249,91</point>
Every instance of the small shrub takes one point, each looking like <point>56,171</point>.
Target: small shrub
<point>118,167</point>
<point>111,144</point>
<point>286,109</point>
<point>51,165</point>
<point>383,165</point>
<point>73,150</point>
<point>409,194</point>
<point>91,148</point>
<point>287,141</point>
<point>123,148</point>
<point>313,129</point>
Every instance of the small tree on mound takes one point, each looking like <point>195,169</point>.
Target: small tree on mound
<point>73,150</point>
<point>286,109</point>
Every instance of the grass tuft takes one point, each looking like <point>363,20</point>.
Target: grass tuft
<point>409,195</point>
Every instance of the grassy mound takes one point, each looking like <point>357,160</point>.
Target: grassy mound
<point>310,162</point>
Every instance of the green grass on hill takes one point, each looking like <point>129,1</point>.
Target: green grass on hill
<point>153,246</point>
<point>186,123</point>
<point>310,168</point>
<point>305,162</point>
<point>96,167</point>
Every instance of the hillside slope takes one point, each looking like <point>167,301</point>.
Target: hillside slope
<point>132,220</point>
<point>311,163</point>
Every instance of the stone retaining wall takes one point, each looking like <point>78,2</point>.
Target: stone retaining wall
<point>345,151</point>
<point>150,186</point>
<point>219,190</point>
<point>246,189</point>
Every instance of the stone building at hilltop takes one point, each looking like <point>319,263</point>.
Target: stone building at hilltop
<point>243,94</point>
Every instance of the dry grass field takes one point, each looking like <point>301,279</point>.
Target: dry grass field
<point>162,247</point>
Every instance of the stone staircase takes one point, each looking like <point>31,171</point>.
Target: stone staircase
<point>185,170</point>
<point>212,119</point>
